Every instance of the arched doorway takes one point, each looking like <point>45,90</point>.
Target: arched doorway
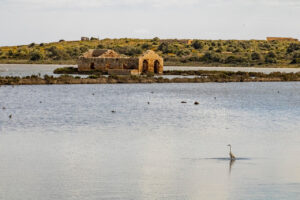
<point>92,66</point>
<point>145,66</point>
<point>156,67</point>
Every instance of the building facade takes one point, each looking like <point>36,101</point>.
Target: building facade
<point>114,63</point>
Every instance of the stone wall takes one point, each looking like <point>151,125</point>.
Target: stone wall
<point>105,60</point>
<point>103,64</point>
<point>151,62</point>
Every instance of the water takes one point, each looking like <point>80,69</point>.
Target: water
<point>27,69</point>
<point>35,69</point>
<point>236,69</point>
<point>64,143</point>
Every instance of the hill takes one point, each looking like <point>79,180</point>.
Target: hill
<point>175,52</point>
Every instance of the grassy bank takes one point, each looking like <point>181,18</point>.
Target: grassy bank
<point>201,77</point>
<point>246,53</point>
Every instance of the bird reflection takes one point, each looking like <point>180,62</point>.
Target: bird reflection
<point>231,163</point>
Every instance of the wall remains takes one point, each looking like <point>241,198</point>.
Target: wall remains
<point>113,63</point>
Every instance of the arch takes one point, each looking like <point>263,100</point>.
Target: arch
<point>156,66</point>
<point>92,66</point>
<point>145,66</point>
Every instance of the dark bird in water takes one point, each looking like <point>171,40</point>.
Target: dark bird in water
<point>215,97</point>
<point>232,157</point>
<point>93,94</point>
<point>196,103</point>
<point>152,92</point>
<point>148,102</point>
<point>3,108</point>
<point>40,101</point>
<point>183,102</point>
<point>10,116</point>
<point>113,111</point>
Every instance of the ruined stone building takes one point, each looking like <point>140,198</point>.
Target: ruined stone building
<point>114,63</point>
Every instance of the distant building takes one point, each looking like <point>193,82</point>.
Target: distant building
<point>281,39</point>
<point>85,39</point>
<point>181,41</point>
<point>110,61</point>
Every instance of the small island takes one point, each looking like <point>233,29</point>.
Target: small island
<point>272,52</point>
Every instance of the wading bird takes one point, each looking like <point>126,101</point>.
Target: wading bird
<point>232,157</point>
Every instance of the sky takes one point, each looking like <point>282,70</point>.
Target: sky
<point>27,21</point>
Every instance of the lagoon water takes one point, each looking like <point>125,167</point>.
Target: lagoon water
<point>63,142</point>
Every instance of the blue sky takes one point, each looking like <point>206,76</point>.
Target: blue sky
<point>26,21</point>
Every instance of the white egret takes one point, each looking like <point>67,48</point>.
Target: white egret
<point>232,157</point>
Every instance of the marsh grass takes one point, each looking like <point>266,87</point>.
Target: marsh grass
<point>200,77</point>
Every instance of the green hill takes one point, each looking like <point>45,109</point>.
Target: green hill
<point>175,52</point>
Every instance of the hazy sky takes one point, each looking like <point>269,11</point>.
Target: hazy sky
<point>26,21</point>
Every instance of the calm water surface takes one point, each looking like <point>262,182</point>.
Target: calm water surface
<point>64,143</point>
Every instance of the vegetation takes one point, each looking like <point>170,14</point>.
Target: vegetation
<point>175,52</point>
<point>200,77</point>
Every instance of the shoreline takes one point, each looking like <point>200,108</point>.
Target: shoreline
<point>200,77</point>
<point>167,63</point>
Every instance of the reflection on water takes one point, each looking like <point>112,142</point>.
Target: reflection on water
<point>63,142</point>
<point>231,163</point>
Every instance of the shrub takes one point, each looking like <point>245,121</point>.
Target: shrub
<point>164,47</point>
<point>10,53</point>
<point>270,60</point>
<point>128,50</point>
<point>73,52</point>
<point>31,45</point>
<point>66,70</point>
<point>57,54</point>
<point>271,54</point>
<point>145,46</point>
<point>296,58</point>
<point>156,39</point>
<point>197,44</point>
<point>100,46</point>
<point>83,49</point>
<point>36,55</point>
<point>271,57</point>
<point>255,56</point>
<point>293,47</point>
<point>234,60</point>
<point>93,76</point>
